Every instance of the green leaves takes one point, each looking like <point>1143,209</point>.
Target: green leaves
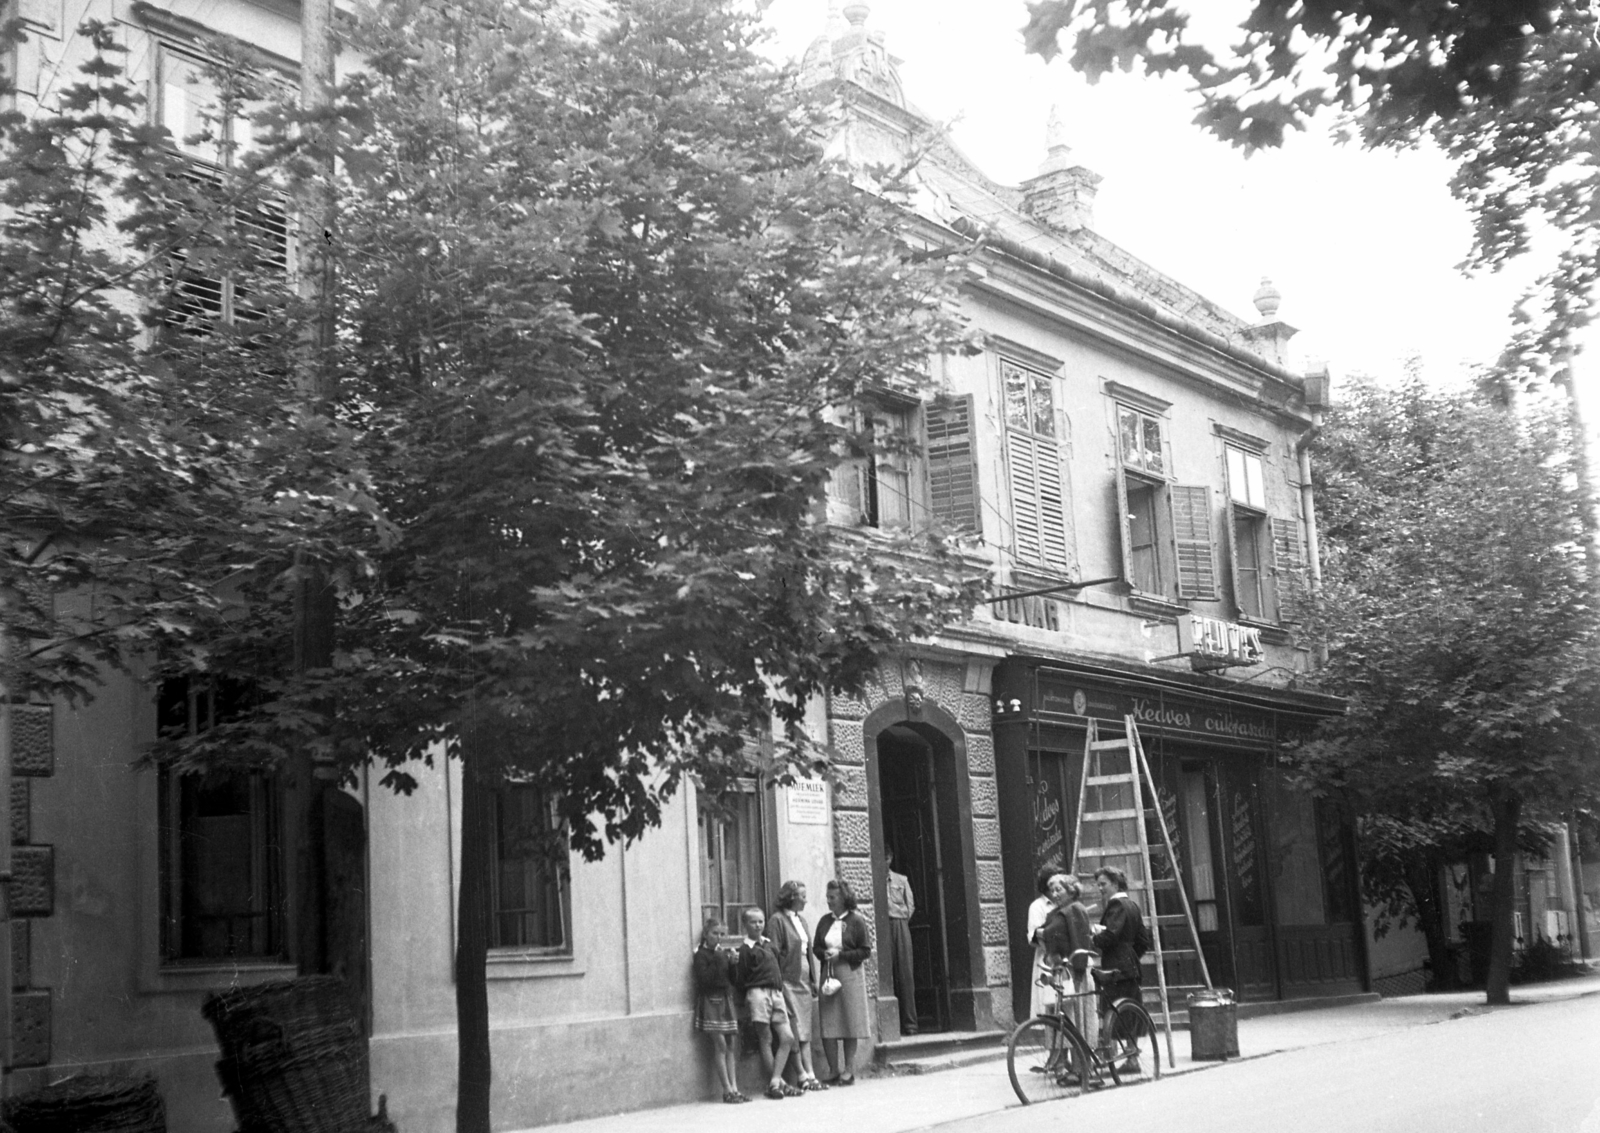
<point>1458,606</point>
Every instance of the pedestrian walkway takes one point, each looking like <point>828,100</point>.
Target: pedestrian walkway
<point>899,1103</point>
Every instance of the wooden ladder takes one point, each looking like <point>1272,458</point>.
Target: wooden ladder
<point>1115,826</point>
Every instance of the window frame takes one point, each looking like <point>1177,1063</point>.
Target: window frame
<point>1042,535</point>
<point>268,859</point>
<point>762,838</point>
<point>1253,568</point>
<point>208,300</point>
<point>554,832</point>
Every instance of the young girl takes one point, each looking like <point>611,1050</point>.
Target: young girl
<point>714,1012</point>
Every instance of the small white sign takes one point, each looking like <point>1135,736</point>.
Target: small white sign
<point>808,802</point>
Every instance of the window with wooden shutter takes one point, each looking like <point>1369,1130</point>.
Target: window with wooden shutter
<point>1033,461</point>
<point>1148,513</point>
<point>1251,538</point>
<point>1191,538</point>
<point>952,465</point>
<point>1289,567</point>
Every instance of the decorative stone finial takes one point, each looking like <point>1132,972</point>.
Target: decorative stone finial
<point>856,13</point>
<point>1055,131</point>
<point>1267,298</point>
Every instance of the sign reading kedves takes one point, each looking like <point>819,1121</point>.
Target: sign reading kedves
<point>1211,643</point>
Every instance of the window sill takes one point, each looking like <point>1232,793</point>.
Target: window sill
<point>202,976</point>
<point>512,964</point>
<point>1272,633</point>
<point>1160,607</point>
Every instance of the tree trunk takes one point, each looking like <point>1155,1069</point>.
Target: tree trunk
<point>1507,808</point>
<point>472,947</point>
<point>1422,878</point>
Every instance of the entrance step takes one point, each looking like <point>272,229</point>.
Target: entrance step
<point>944,1050</point>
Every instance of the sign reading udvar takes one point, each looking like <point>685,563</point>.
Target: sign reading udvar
<point>1211,643</point>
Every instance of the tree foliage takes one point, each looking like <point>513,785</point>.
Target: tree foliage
<point>1505,89</point>
<point>128,492</point>
<point>601,300</point>
<point>1460,620</point>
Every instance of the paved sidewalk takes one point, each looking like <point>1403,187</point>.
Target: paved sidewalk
<point>899,1103</point>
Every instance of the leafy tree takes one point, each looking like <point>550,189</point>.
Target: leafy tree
<point>1506,88</point>
<point>602,306</point>
<point>1461,627</point>
<point>127,492</point>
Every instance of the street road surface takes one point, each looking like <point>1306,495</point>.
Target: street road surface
<point>1532,1068</point>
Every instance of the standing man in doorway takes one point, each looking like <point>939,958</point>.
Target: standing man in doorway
<point>902,903</point>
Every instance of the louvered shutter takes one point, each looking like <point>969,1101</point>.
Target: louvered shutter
<point>952,465</point>
<point>1191,537</point>
<point>1124,531</point>
<point>1038,503</point>
<point>1289,569</point>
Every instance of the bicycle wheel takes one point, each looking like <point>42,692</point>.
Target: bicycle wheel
<point>1134,1042</point>
<point>1046,1061</point>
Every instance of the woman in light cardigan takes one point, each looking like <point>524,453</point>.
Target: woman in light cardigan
<point>842,944</point>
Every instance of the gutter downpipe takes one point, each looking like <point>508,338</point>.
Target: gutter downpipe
<point>1308,508</point>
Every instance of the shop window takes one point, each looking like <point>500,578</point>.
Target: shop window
<point>529,908</point>
<point>1165,528</point>
<point>1338,863</point>
<point>221,848</point>
<point>1202,871</point>
<point>1039,520</point>
<point>733,870</point>
<point>210,123</point>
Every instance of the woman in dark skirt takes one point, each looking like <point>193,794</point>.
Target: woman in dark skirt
<point>714,1011</point>
<point>843,944</point>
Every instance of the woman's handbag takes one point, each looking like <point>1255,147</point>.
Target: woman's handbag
<point>830,985</point>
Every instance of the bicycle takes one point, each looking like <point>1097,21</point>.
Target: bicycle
<point>1048,1057</point>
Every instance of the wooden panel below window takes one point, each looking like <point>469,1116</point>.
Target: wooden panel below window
<point>1319,959</point>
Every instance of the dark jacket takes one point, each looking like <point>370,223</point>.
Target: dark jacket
<point>1067,938</point>
<point>757,965</point>
<point>1123,922</point>
<point>856,944</point>
<point>713,971</point>
<point>791,947</point>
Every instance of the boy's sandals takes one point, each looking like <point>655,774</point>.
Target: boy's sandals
<point>776,1093</point>
<point>733,1097</point>
<point>791,1091</point>
<point>811,1085</point>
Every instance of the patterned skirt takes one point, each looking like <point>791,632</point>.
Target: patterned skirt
<point>716,1014</point>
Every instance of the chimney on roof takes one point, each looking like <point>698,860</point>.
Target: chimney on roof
<point>1271,335</point>
<point>1061,194</point>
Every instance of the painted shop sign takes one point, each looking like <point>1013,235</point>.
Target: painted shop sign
<point>1213,722</point>
<point>1041,613</point>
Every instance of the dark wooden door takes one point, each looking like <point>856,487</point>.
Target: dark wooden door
<point>908,793</point>
<point>1239,809</point>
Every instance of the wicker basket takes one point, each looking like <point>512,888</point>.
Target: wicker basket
<point>89,1104</point>
<point>293,1057</point>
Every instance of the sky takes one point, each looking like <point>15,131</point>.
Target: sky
<point>1362,245</point>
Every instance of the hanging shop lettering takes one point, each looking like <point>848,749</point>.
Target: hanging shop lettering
<point>1213,643</point>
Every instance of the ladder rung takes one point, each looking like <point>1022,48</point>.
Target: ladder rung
<point>1164,883</point>
<point>1108,780</point>
<point>1107,851</point>
<point>1170,918</point>
<point>1169,954</point>
<point>1109,816</point>
<point>1108,745</point>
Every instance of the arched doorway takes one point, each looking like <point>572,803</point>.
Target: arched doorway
<point>908,790</point>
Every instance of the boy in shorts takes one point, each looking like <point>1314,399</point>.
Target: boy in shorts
<point>757,972</point>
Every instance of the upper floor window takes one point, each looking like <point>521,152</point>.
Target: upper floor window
<point>209,120</point>
<point>221,856</point>
<point>1040,533</point>
<point>528,898</point>
<point>1140,439</point>
<point>951,458</point>
<point>1165,528</point>
<point>1266,560</point>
